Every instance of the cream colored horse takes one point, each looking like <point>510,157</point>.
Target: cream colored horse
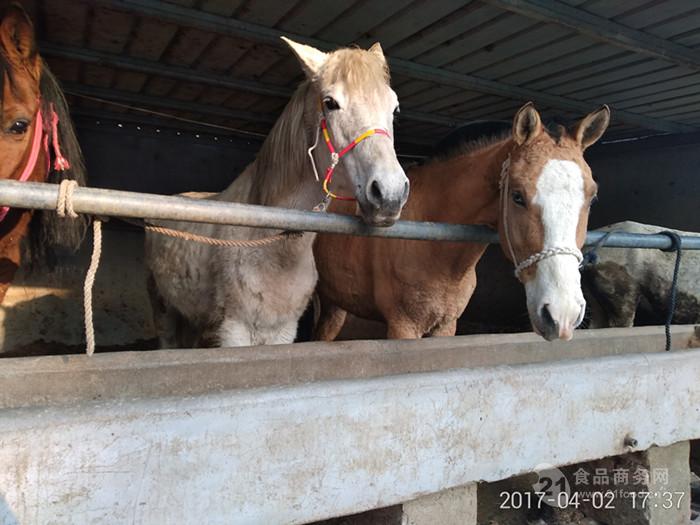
<point>205,295</point>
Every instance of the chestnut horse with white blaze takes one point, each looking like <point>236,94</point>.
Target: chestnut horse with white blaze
<point>230,296</point>
<point>30,147</point>
<point>531,184</point>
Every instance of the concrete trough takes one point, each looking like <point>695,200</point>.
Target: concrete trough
<point>293,446</point>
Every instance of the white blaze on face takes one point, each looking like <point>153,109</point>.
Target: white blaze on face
<point>557,282</point>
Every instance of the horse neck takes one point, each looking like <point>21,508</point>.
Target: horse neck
<point>462,189</point>
<point>282,175</point>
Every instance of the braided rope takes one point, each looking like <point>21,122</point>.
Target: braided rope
<point>89,284</point>
<point>546,254</point>
<point>227,243</point>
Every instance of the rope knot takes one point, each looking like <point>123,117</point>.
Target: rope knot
<point>64,204</point>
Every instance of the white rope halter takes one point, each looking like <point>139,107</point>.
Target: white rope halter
<point>536,257</point>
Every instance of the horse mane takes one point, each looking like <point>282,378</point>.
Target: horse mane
<point>469,138</point>
<point>49,234</point>
<point>277,164</point>
<point>482,133</point>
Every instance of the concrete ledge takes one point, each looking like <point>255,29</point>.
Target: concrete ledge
<point>52,380</point>
<point>300,453</point>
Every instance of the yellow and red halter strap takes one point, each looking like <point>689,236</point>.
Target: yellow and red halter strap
<point>336,156</point>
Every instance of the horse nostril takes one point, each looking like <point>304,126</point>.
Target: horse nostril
<point>376,192</point>
<point>405,191</point>
<point>547,316</point>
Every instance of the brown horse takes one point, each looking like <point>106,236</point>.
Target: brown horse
<point>30,146</point>
<point>531,184</point>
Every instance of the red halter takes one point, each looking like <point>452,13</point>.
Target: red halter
<point>335,157</point>
<point>60,162</point>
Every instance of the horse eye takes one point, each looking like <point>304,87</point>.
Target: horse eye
<point>518,199</point>
<point>19,127</point>
<point>330,103</point>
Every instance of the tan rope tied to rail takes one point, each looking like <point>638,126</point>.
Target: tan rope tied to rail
<point>228,243</point>
<point>64,208</point>
<point>64,205</point>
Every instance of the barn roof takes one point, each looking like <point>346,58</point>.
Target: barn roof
<point>221,61</point>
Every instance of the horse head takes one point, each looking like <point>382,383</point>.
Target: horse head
<point>20,78</point>
<point>352,104</point>
<point>33,146</point>
<point>546,192</point>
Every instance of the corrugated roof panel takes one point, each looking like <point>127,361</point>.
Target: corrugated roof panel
<point>546,63</point>
<point>66,70</point>
<point>159,86</point>
<point>652,92</point>
<point>418,16</point>
<point>497,58</point>
<point>308,18</point>
<point>608,9</point>
<point>150,38</point>
<point>355,23</point>
<point>656,13</point>
<point>66,22</point>
<point>130,81</point>
<point>223,53</point>
<point>446,31</point>
<point>604,88</point>
<point>187,91</point>
<point>221,7</point>
<point>468,37</point>
<point>265,12</point>
<point>429,94</point>
<point>100,76</point>
<point>486,34</point>
<point>110,30</point>
<point>187,46</point>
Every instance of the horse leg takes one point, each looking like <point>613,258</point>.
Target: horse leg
<point>330,321</point>
<point>234,332</point>
<point>164,317</point>
<point>403,329</point>
<point>285,335</point>
<point>447,328</point>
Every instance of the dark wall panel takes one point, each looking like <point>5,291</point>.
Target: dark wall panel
<point>138,158</point>
<point>654,182</point>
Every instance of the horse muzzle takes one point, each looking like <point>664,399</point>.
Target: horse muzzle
<point>382,200</point>
<point>554,323</point>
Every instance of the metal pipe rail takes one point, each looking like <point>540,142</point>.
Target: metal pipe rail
<point>95,201</point>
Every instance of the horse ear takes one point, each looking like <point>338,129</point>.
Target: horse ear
<point>527,124</point>
<point>592,127</point>
<point>311,59</point>
<point>17,36</point>
<point>377,50</point>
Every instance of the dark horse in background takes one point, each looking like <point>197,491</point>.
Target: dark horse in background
<point>37,143</point>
